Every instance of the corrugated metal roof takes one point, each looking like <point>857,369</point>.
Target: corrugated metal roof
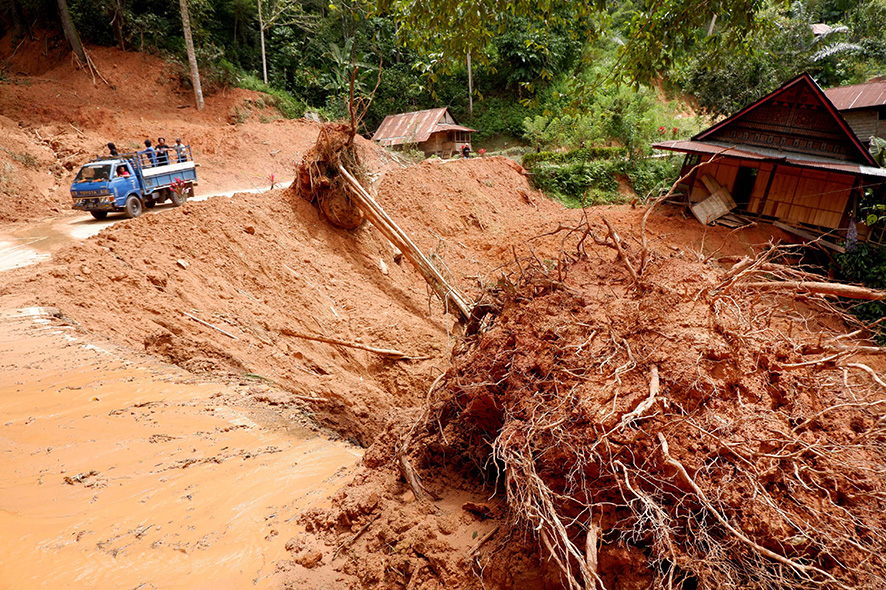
<point>858,96</point>
<point>820,28</point>
<point>755,153</point>
<point>414,127</point>
<point>448,127</point>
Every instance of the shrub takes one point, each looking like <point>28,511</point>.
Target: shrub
<point>579,184</point>
<point>866,264</point>
<point>650,175</point>
<point>588,154</point>
<point>288,105</point>
<point>495,116</point>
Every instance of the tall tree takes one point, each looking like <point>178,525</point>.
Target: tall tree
<point>192,55</point>
<point>274,13</point>
<point>71,32</point>
<point>18,16</point>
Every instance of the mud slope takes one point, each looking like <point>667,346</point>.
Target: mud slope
<point>262,268</point>
<point>55,118</point>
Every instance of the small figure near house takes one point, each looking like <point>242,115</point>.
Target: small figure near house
<point>162,152</point>
<point>122,171</point>
<point>466,151</point>
<point>151,152</point>
<point>112,149</point>
<point>180,150</point>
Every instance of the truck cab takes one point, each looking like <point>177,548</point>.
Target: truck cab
<point>131,182</point>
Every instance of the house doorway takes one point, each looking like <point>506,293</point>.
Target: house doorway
<point>744,186</point>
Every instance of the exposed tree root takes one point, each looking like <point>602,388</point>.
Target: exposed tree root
<point>728,432</point>
<point>318,180</point>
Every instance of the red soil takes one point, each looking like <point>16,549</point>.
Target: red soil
<point>264,268</point>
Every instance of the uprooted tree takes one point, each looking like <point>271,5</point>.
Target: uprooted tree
<point>331,176</point>
<point>730,435</point>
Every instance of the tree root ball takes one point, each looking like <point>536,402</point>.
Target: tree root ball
<point>340,210</point>
<point>318,179</point>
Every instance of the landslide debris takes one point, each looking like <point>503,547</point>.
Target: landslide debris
<point>680,431</point>
<point>712,428</point>
<point>268,270</point>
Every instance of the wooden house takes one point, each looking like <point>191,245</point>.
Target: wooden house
<point>863,106</point>
<point>788,158</point>
<point>434,132</point>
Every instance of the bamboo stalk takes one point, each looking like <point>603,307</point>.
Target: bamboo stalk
<point>399,238</point>
<point>208,325</point>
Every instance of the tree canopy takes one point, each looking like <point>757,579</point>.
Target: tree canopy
<point>530,57</point>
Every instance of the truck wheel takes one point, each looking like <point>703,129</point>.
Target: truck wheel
<point>133,206</point>
<point>178,199</point>
<point>99,214</point>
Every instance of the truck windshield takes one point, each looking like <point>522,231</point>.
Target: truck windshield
<point>94,173</point>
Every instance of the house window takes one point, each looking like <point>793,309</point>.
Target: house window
<point>462,137</point>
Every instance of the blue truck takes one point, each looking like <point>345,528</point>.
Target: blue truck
<point>130,182</point>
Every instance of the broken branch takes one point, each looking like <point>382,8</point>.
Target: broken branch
<point>621,252</point>
<point>385,352</point>
<point>208,325</point>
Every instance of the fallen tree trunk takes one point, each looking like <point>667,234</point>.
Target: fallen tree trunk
<point>373,211</point>
<point>837,289</point>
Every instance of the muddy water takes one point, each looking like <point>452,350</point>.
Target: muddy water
<point>123,474</point>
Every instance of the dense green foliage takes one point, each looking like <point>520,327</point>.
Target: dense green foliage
<point>866,264</point>
<point>580,180</point>
<point>586,154</point>
<point>783,46</point>
<point>549,75</point>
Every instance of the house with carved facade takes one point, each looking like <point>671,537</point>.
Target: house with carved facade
<point>788,158</point>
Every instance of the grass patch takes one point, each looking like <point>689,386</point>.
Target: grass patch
<point>287,105</point>
<point>25,158</point>
<point>580,183</point>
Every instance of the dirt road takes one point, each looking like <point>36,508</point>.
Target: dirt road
<point>122,471</point>
<point>27,243</point>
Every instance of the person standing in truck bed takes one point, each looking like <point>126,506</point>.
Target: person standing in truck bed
<point>150,152</point>
<point>162,152</point>
<point>180,150</point>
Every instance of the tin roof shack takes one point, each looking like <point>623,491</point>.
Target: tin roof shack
<point>863,106</point>
<point>434,131</point>
<point>788,158</point>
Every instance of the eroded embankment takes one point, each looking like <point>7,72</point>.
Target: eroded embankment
<point>264,269</point>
